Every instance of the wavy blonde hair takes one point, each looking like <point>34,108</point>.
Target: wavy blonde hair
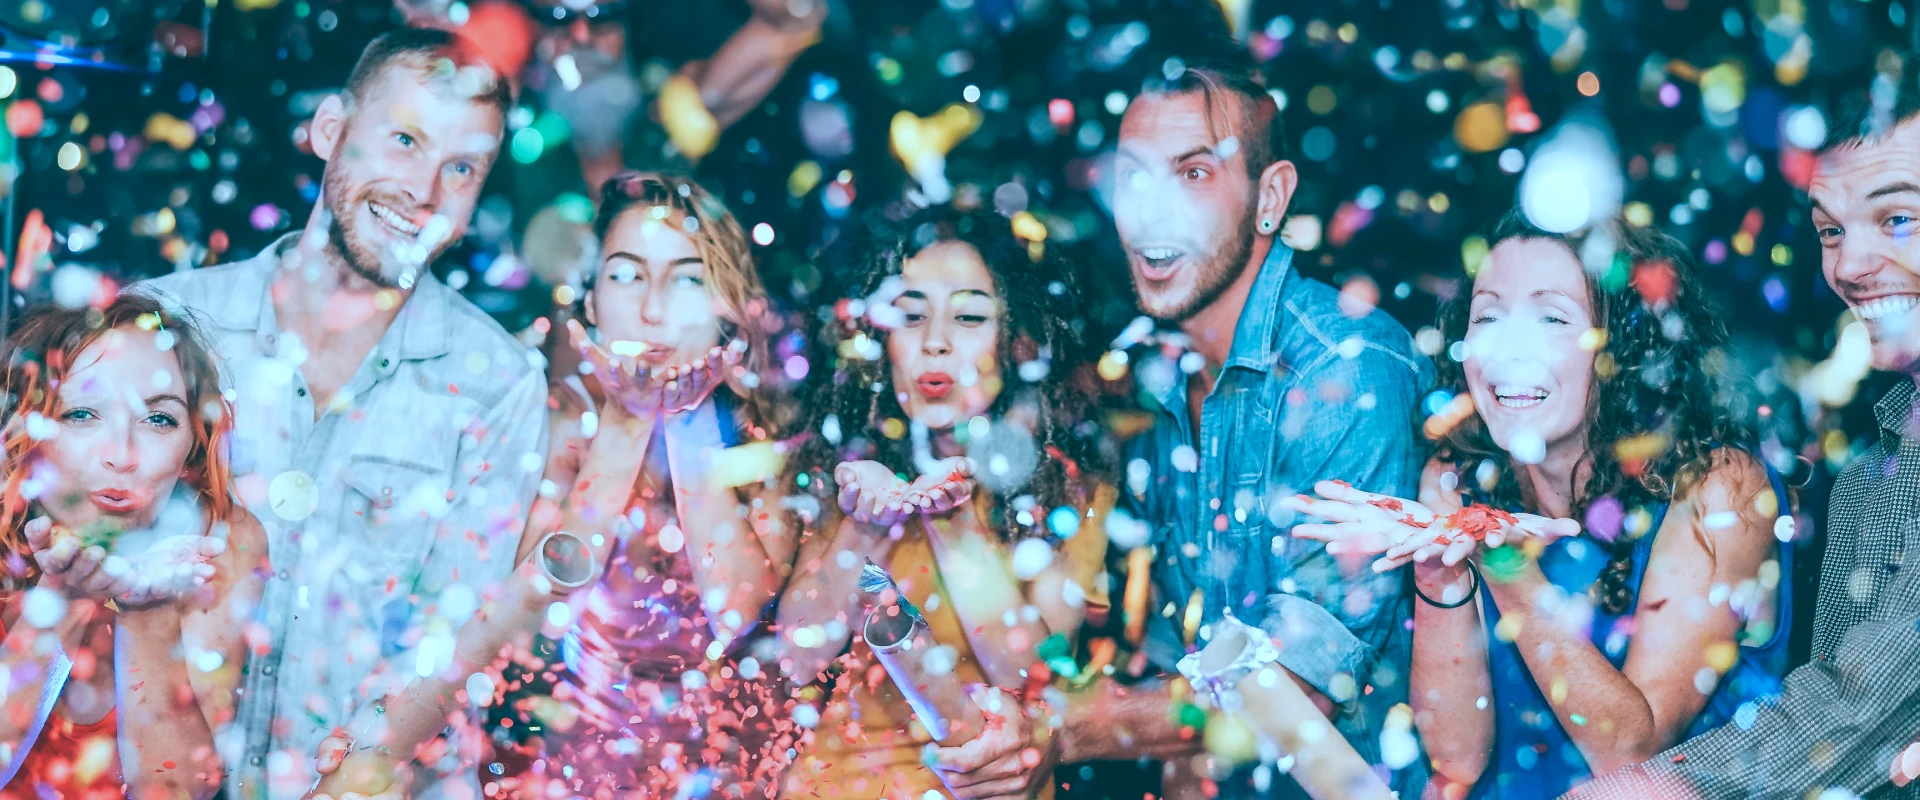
<point>729,269</point>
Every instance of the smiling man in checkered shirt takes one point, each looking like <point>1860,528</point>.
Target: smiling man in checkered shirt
<point>1843,724</point>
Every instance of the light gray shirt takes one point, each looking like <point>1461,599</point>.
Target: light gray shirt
<point>387,515</point>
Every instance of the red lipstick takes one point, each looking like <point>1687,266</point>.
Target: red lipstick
<point>934,385</point>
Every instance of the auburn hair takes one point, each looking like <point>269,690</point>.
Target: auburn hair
<point>40,354</point>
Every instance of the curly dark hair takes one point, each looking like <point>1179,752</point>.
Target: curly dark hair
<point>1657,408</point>
<point>1045,373</point>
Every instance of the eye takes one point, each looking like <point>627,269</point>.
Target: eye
<point>462,168</point>
<point>690,280</point>
<point>623,273</point>
<point>1553,320</point>
<point>971,319</point>
<point>405,140</point>
<point>1481,320</point>
<point>1195,173</point>
<point>1829,232</point>
<point>1900,222</point>
<point>914,317</point>
<point>162,420</point>
<point>79,415</point>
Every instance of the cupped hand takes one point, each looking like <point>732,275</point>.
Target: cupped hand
<point>1012,758</point>
<point>871,493</point>
<point>646,392</point>
<point>168,569</point>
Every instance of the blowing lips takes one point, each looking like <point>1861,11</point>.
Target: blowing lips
<point>118,501</point>
<point>934,385</point>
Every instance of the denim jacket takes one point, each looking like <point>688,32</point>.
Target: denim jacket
<point>1308,393</point>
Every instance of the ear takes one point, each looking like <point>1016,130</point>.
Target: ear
<point>1277,183</point>
<point>588,302</point>
<point>328,126</point>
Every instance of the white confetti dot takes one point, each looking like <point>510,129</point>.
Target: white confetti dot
<point>672,539</point>
<point>1030,558</point>
<point>292,495</point>
<point>42,607</point>
<point>1185,459</point>
<point>1783,528</point>
<point>806,716</point>
<point>480,689</point>
<point>1528,448</point>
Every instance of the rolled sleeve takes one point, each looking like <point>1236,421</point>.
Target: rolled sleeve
<point>1315,645</point>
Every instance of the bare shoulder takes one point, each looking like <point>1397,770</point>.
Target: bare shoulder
<point>1735,482</point>
<point>246,539</point>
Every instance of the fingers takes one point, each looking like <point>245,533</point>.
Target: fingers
<point>1329,510</point>
<point>1015,786</point>
<point>1343,492</point>
<point>1458,550</point>
<point>1547,528</point>
<point>333,749</point>
<point>39,532</point>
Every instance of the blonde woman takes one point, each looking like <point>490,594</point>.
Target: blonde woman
<point>649,529</point>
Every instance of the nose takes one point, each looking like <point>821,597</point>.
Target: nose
<point>117,451</point>
<point>938,341</point>
<point>653,305</point>
<point>1855,262</point>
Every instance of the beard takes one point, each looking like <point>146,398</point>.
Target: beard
<point>344,236</point>
<point>1211,277</point>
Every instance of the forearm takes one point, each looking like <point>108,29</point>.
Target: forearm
<point>749,64</point>
<point>1325,763</point>
<point>1450,689</point>
<point>728,558</point>
<point>977,568</point>
<point>1582,687</point>
<point>166,751</point>
<point>602,489</point>
<point>1107,721</point>
<point>826,588</point>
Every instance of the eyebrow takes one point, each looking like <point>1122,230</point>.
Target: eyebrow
<point>160,398</point>
<point>1203,150</point>
<point>643,262</point>
<point>1897,187</point>
<point>920,295</point>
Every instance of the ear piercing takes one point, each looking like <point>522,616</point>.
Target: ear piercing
<point>1266,226</point>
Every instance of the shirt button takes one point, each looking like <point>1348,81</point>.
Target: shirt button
<point>254,761</point>
<point>267,670</point>
<point>301,391</point>
<point>283,574</point>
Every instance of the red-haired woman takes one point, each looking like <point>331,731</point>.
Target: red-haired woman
<point>129,569</point>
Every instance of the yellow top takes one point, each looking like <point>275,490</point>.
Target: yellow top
<point>868,745</point>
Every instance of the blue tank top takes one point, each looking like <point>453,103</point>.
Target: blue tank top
<point>1533,757</point>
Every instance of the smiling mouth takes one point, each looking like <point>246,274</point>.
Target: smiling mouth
<point>1519,396</point>
<point>1159,263</point>
<point>1884,307</point>
<point>393,219</point>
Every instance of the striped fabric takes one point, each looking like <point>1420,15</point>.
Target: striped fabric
<point>1841,719</point>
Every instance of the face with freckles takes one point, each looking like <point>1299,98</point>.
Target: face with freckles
<point>1526,370</point>
<point>123,439</point>
<point>945,352</point>
<point>1866,209</point>
<point>651,291</point>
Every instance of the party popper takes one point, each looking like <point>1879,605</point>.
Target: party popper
<point>904,647</point>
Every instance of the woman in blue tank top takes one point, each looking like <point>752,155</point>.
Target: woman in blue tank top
<point>1600,578</point>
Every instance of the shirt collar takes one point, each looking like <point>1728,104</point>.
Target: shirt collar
<point>1256,335</point>
<point>1896,413</point>
<point>421,331</point>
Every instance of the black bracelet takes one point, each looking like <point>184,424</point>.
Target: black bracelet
<point>1465,599</point>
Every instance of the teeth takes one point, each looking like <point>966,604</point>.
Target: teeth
<point>398,222</point>
<point>1159,253</point>
<point>1886,306</point>
<point>1518,396</point>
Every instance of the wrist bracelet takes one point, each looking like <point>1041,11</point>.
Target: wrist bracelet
<point>1464,599</point>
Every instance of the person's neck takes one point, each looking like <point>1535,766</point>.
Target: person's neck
<point>1212,328</point>
<point>320,292</point>
<point>1552,480</point>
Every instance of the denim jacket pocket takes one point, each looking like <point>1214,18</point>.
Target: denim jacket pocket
<point>399,501</point>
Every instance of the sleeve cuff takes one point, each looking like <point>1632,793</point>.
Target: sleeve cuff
<point>1316,647</point>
